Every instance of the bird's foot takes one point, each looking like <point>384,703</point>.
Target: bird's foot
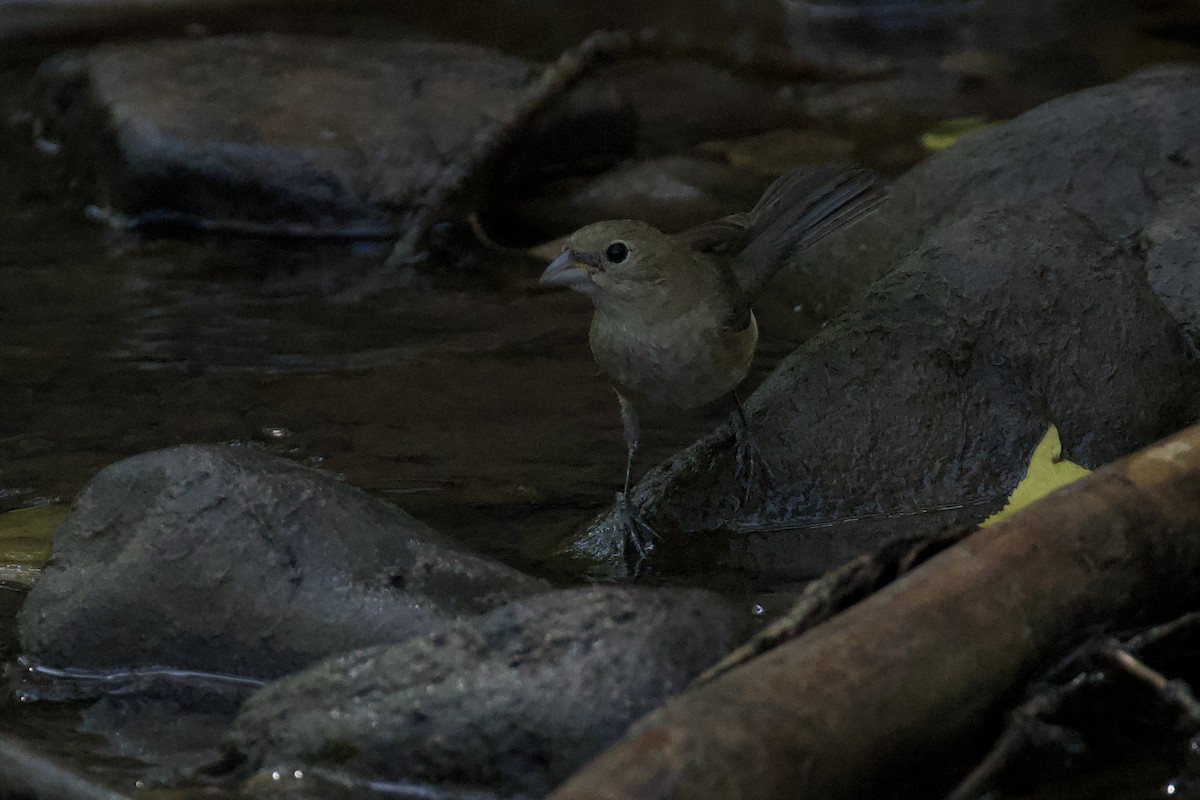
<point>751,468</point>
<point>639,536</point>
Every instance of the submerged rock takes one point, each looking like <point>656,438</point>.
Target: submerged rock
<point>172,725</point>
<point>775,152</point>
<point>670,193</point>
<point>512,701</point>
<point>920,406</point>
<point>234,561</point>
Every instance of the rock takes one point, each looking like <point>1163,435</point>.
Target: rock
<point>277,134</point>
<point>27,773</point>
<point>874,425</point>
<point>675,192</point>
<point>1117,153</point>
<point>671,193</point>
<point>775,152</point>
<point>233,561</point>
<point>681,102</point>
<point>512,701</point>
<point>920,406</point>
<point>172,726</point>
<point>1172,244</point>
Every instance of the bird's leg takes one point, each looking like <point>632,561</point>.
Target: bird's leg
<point>749,458</point>
<point>636,530</point>
<point>632,432</point>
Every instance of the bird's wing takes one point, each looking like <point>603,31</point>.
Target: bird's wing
<point>801,207</point>
<point>722,236</point>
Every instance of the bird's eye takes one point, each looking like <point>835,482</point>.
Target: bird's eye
<point>617,252</point>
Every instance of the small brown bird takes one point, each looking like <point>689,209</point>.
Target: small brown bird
<point>673,324</point>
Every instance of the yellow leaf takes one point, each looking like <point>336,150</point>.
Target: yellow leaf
<point>25,536</point>
<point>947,132</point>
<point>1047,471</point>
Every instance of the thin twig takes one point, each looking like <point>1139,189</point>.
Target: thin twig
<point>836,591</point>
<point>1174,693</point>
<point>1154,634</point>
<point>1028,726</point>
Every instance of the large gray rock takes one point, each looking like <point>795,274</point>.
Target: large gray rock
<point>921,405</point>
<point>512,701</point>
<point>234,561</point>
<point>279,134</point>
<point>1123,154</point>
<point>1061,243</point>
<point>1171,240</point>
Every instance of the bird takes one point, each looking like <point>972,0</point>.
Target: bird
<point>673,322</point>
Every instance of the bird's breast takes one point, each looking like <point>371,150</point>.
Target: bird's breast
<point>687,361</point>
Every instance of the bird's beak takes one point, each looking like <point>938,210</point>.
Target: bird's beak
<point>565,270</point>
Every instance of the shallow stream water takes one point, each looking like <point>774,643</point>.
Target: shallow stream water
<point>464,394</point>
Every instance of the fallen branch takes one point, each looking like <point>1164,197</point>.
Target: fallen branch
<point>918,668</point>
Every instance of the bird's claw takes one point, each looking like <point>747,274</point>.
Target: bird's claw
<point>635,530</point>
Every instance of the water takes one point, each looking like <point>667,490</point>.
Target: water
<point>114,345</point>
<point>460,392</point>
<point>465,395</point>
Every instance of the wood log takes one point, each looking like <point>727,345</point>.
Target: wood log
<point>890,684</point>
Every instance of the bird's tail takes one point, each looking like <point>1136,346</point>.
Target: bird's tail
<point>800,208</point>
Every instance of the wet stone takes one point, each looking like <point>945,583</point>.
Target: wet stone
<point>274,134</point>
<point>1172,249</point>
<point>1042,272</point>
<point>233,561</point>
<point>1121,154</point>
<point>919,407</point>
<point>512,701</point>
<point>173,726</point>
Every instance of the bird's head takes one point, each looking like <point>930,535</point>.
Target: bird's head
<point>618,263</point>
